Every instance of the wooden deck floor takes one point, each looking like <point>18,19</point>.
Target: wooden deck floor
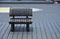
<point>45,26</point>
<point>40,29</point>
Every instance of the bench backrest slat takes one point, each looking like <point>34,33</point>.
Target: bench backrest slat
<point>20,12</point>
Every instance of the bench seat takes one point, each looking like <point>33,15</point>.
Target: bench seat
<point>20,21</point>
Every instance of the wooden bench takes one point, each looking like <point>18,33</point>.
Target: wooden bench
<point>15,17</point>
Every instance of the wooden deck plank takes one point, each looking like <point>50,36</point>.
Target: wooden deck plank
<point>3,31</point>
<point>29,34</point>
<point>48,32</point>
<point>10,35</point>
<point>43,31</point>
<point>34,31</point>
<point>7,32</point>
<point>15,35</point>
<point>55,30</point>
<point>2,26</point>
<point>20,33</point>
<point>24,33</point>
<point>38,31</point>
<point>57,27</point>
<point>52,32</point>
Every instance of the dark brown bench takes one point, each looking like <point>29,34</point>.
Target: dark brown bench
<point>15,17</point>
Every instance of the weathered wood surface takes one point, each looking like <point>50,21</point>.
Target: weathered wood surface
<point>40,29</point>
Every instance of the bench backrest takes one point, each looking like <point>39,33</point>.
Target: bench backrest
<point>20,12</point>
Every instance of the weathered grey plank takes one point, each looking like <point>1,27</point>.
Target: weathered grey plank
<point>29,34</point>
<point>55,30</point>
<point>34,31</point>
<point>10,35</point>
<point>52,32</point>
<point>56,27</point>
<point>43,31</point>
<point>2,26</point>
<point>38,31</point>
<point>7,32</point>
<point>15,35</point>
<point>20,33</point>
<point>3,31</point>
<point>24,33</point>
<point>48,32</point>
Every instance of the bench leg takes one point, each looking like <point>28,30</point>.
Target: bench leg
<point>27,27</point>
<point>12,27</point>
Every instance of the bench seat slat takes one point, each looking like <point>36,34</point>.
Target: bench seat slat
<point>24,21</point>
<point>20,22</point>
<point>20,18</point>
